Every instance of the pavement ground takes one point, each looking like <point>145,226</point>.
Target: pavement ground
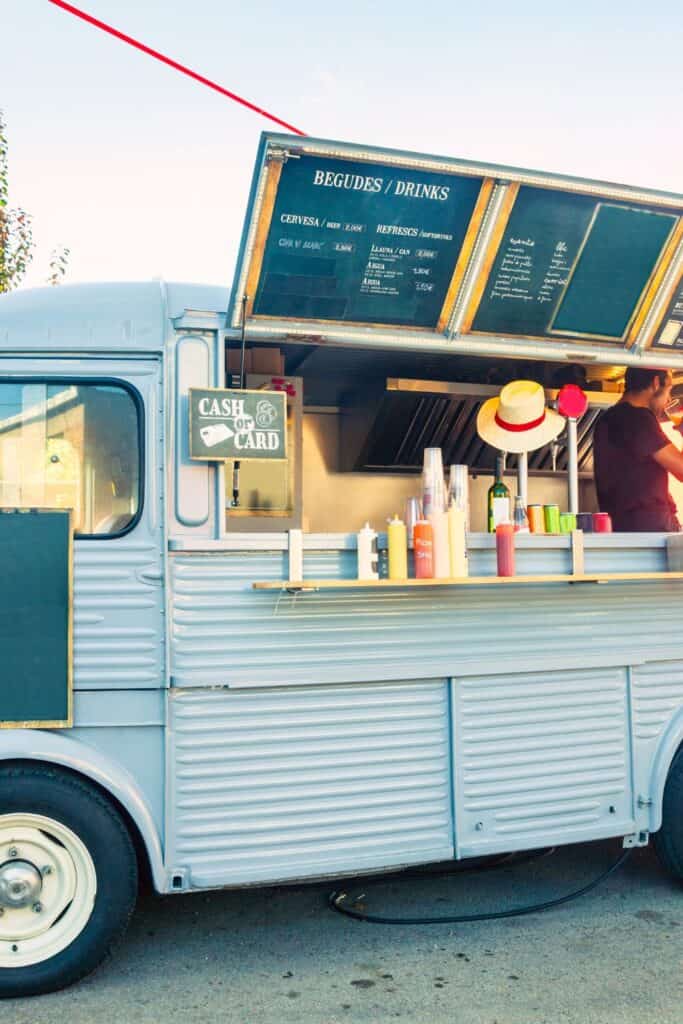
<point>279,955</point>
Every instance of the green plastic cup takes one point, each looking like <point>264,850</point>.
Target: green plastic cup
<point>551,514</point>
<point>567,522</point>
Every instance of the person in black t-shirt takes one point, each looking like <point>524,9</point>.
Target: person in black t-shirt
<point>633,456</point>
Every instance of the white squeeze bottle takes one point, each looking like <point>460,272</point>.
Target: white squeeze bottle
<point>367,554</point>
<point>397,539</point>
<point>457,539</point>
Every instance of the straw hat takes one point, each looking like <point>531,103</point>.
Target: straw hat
<point>518,421</point>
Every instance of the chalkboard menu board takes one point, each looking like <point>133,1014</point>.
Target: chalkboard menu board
<point>670,333</point>
<point>353,241</point>
<point>35,618</point>
<point>619,254</point>
<point>571,264</point>
<point>539,248</point>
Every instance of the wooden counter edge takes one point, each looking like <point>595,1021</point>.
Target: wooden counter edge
<point>464,581</point>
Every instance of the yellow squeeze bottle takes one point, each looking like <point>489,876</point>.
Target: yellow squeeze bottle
<point>397,537</point>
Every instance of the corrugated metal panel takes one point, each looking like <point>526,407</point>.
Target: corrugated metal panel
<point>308,782</point>
<point>657,692</point>
<point>111,317</point>
<point>541,756</point>
<point>117,618</point>
<point>224,633</point>
<point>646,553</point>
<point>656,696</point>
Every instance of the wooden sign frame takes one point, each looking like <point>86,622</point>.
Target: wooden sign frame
<point>237,457</point>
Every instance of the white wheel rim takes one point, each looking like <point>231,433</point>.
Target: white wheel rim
<point>62,898</point>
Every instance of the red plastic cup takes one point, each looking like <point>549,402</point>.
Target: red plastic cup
<point>505,549</point>
<point>602,522</point>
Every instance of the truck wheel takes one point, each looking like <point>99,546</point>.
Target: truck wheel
<point>669,840</point>
<point>68,879</point>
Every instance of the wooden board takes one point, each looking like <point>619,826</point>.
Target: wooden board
<point>465,581</point>
<point>36,618</point>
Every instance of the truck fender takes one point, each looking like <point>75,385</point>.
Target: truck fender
<point>57,749</point>
<point>670,741</point>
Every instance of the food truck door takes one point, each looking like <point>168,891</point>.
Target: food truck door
<point>86,434</point>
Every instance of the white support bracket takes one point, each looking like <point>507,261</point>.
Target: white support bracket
<point>296,555</point>
<point>578,559</point>
<point>636,839</point>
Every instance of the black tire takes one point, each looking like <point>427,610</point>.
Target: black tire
<point>669,840</point>
<point>75,804</point>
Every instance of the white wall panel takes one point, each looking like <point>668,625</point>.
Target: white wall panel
<point>540,757</point>
<point>283,784</point>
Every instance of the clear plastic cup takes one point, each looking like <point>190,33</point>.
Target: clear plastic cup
<point>459,485</point>
<point>413,515</point>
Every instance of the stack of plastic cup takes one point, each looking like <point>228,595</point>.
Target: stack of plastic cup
<point>459,490</point>
<point>413,515</point>
<point>433,485</point>
<point>434,506</point>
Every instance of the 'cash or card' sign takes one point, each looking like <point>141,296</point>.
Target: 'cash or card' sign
<point>237,424</point>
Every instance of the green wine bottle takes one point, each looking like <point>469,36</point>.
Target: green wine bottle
<point>498,498</point>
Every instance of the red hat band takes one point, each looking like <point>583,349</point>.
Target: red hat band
<point>518,428</point>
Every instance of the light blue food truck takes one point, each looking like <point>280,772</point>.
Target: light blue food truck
<point>209,695</point>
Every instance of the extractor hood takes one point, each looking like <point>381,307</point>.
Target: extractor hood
<point>388,432</point>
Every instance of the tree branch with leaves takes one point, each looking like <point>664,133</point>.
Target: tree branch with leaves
<point>16,232</point>
<point>59,261</point>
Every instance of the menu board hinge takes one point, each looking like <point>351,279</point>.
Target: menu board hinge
<point>280,155</point>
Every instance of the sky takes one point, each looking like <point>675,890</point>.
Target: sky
<point>144,173</point>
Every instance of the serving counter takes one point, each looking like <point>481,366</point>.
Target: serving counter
<point>507,716</point>
<point>291,636</point>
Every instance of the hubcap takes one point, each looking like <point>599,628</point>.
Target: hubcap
<point>20,884</point>
<point>48,886</point>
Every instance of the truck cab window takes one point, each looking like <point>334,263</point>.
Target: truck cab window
<point>71,445</point>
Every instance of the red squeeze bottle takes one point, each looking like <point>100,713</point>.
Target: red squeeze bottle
<point>505,549</point>
<point>423,550</point>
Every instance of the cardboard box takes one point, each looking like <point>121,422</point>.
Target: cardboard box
<point>267,360</point>
<point>232,359</point>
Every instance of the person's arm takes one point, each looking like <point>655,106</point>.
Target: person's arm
<point>670,459</point>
